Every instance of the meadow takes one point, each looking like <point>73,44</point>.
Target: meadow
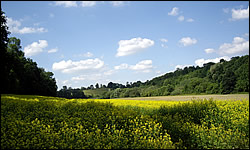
<point>35,122</point>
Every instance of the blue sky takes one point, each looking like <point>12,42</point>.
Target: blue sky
<point>90,42</point>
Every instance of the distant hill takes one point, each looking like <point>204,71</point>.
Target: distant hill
<point>224,77</point>
<point>213,78</point>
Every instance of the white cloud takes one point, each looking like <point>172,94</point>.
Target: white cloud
<point>88,54</point>
<point>237,46</point>
<point>121,66</point>
<point>200,62</point>
<point>14,27</point>
<point>174,12</point>
<point>54,50</point>
<point>35,48</point>
<point>32,30</point>
<point>128,47</point>
<point>181,66</point>
<point>75,66</point>
<point>92,77</point>
<point>117,3</point>
<point>164,40</point>
<point>209,50</point>
<point>88,3</point>
<point>187,41</point>
<point>240,14</point>
<point>181,18</point>
<point>109,72</point>
<point>143,66</point>
<point>190,20</point>
<point>101,76</point>
<point>78,78</point>
<point>164,46</point>
<point>66,3</point>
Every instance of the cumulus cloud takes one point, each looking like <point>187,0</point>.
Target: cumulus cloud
<point>143,66</point>
<point>66,3</point>
<point>97,77</point>
<point>181,18</point>
<point>93,77</point>
<point>128,47</point>
<point>14,27</point>
<point>87,54</point>
<point>237,46</point>
<point>174,12</point>
<point>88,3</point>
<point>200,62</point>
<point>209,50</point>
<point>164,40</point>
<point>75,66</point>
<point>238,14</point>
<point>35,48</point>
<point>78,78</point>
<point>54,50</point>
<point>187,41</point>
<point>121,66</point>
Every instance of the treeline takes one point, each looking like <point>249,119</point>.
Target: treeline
<point>21,75</point>
<point>224,77</point>
<point>71,93</point>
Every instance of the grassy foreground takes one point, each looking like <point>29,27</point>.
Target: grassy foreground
<point>31,122</point>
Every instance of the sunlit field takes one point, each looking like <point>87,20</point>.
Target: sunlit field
<point>29,121</point>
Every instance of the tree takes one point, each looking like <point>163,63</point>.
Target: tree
<point>3,53</point>
<point>97,86</point>
<point>91,87</point>
<point>228,82</point>
<point>24,76</point>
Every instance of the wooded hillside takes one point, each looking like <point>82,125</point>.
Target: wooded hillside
<point>224,77</point>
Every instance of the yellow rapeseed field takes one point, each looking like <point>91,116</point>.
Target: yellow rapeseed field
<point>35,122</point>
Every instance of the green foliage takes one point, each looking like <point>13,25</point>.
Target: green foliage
<point>3,51</point>
<point>24,76</point>
<point>21,75</point>
<point>71,93</point>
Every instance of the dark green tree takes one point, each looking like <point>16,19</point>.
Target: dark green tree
<point>3,53</point>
